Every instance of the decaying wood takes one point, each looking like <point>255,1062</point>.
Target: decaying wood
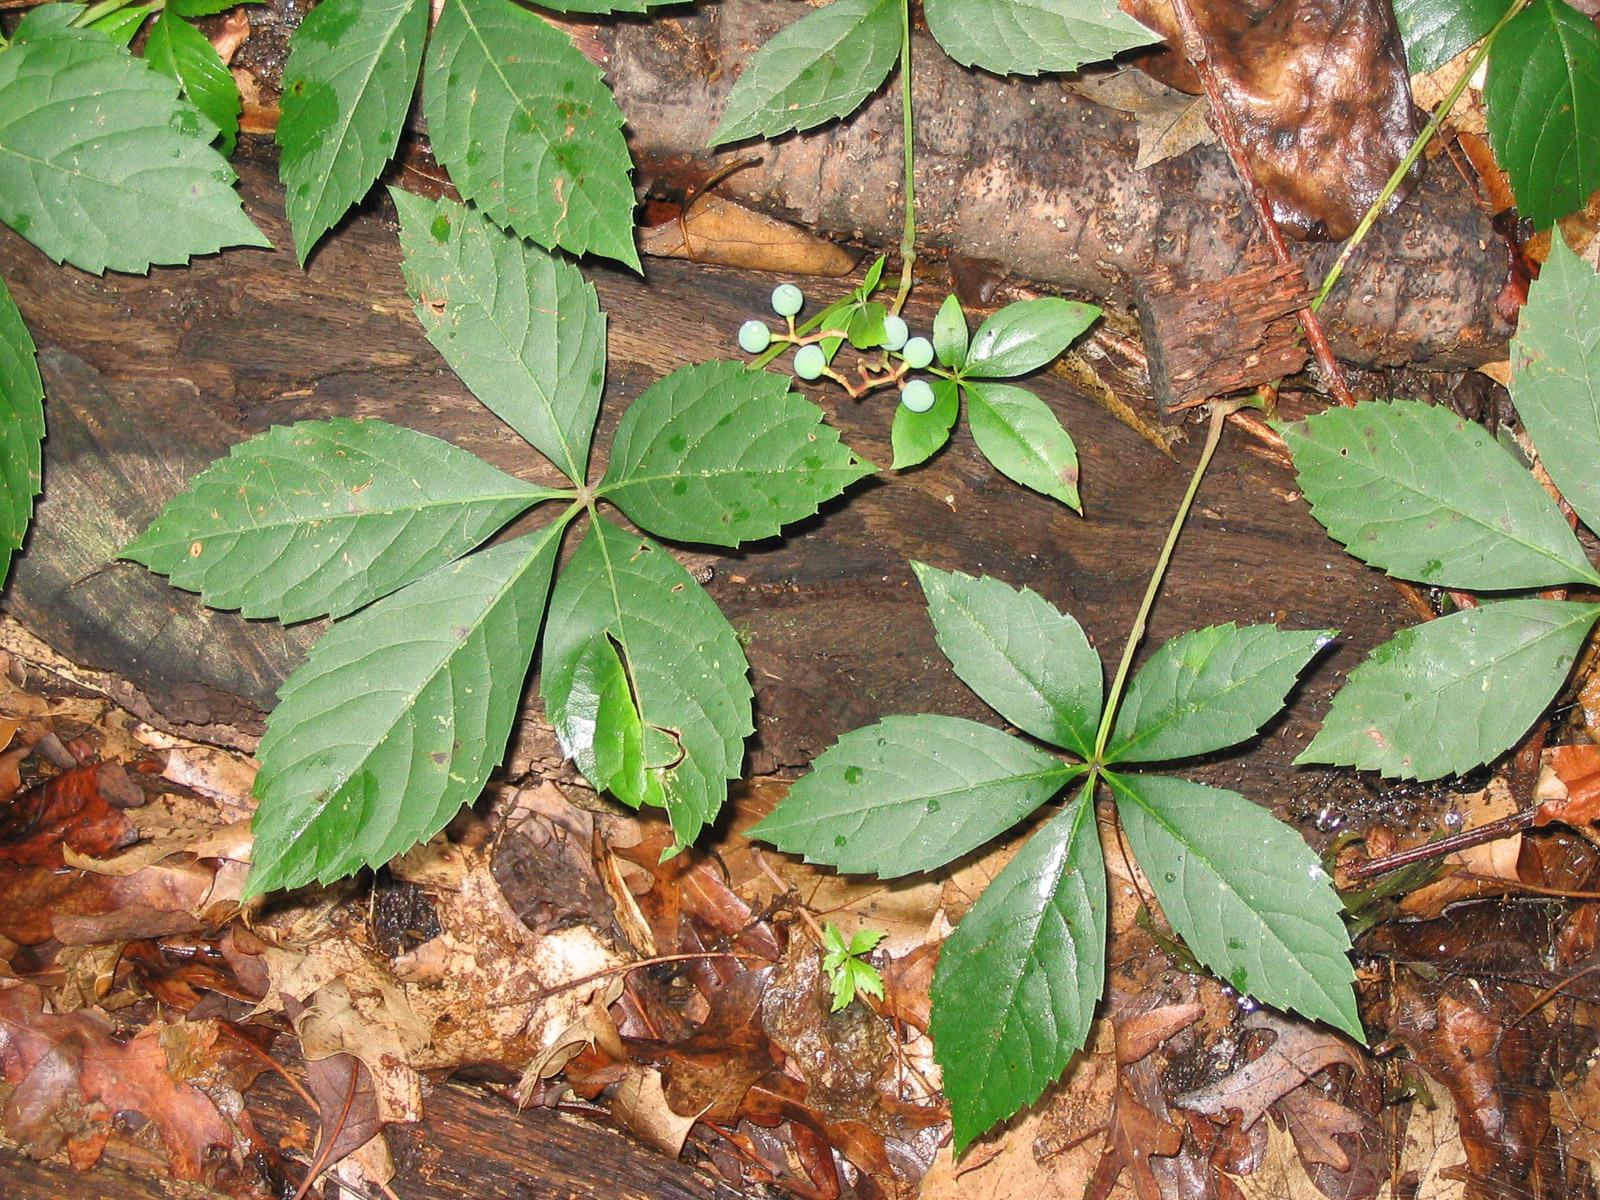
<point>1030,174</point>
<point>470,1147</point>
<point>1215,337</point>
<point>150,379</point>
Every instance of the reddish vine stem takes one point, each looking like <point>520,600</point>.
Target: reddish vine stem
<point>1194,49</point>
<point>1478,835</point>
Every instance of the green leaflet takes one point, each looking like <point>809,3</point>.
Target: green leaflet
<point>917,437</point>
<point>1017,432</point>
<point>21,429</point>
<point>846,967</point>
<point>1025,37</point>
<point>1019,978</point>
<point>1024,336</point>
<point>1555,378</point>
<point>320,518</point>
<point>205,8</point>
<point>521,327</point>
<point>1245,893</point>
<point>103,165</point>
<point>346,88</point>
<point>1542,95</point>
<point>398,716</point>
<point>950,334</point>
<point>688,670</point>
<point>818,69</point>
<point>911,794</point>
<point>122,25</point>
<point>177,48</point>
<point>1208,689</point>
<point>597,716</point>
<point>1441,698</point>
<point>1424,494</point>
<point>1435,31</point>
<point>1025,658</point>
<point>528,130</point>
<point>719,454</point>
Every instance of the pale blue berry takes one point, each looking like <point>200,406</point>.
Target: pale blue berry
<point>895,333</point>
<point>787,299</point>
<point>809,361</point>
<point>917,353</point>
<point>754,337</point>
<point>917,396</point>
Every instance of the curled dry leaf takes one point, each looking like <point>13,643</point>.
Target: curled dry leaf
<point>640,1106</point>
<point>726,233</point>
<point>1569,785</point>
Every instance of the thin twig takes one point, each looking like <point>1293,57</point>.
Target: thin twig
<point>1478,835</point>
<point>1195,50</point>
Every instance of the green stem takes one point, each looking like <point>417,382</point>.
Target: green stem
<point>1220,413</point>
<point>1417,147</point>
<point>908,240</point>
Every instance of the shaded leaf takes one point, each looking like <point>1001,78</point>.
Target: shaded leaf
<point>1017,432</point>
<point>597,716</point>
<point>182,51</point>
<point>686,664</point>
<point>1208,689</point>
<point>21,428</point>
<point>321,517</point>
<point>347,87</point>
<point>1435,31</point>
<point>1024,336</point>
<point>398,716</point>
<point>103,165</point>
<point>1555,378</point>
<point>1019,978</point>
<point>521,327</point>
<point>1444,697</point>
<point>918,436</point>
<point>911,794</point>
<point>1424,494</point>
<point>1025,37</point>
<point>528,130</point>
<point>1025,658</point>
<point>815,70</point>
<point>1542,93</point>
<point>719,454</point>
<point>1245,893</point>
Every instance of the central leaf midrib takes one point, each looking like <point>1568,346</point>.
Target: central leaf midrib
<point>1067,771</point>
<point>348,517</point>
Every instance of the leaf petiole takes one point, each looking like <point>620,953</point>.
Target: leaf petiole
<point>908,240</point>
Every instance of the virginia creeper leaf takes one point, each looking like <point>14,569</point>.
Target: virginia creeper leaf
<point>815,70</point>
<point>1019,978</point>
<point>1435,31</point>
<point>1555,378</point>
<point>528,130</point>
<point>322,517</point>
<point>346,89</point>
<point>178,49</point>
<point>719,454</point>
<point>950,334</point>
<point>1424,494</point>
<point>398,716</point>
<point>1024,336</point>
<point>1025,37</point>
<point>1025,658</point>
<point>1449,695</point>
<point>1245,893</point>
<point>521,327</point>
<point>1542,97</point>
<point>1019,434</point>
<point>911,794</point>
<point>688,670</point>
<point>599,718</point>
<point>103,165</point>
<point>1208,689</point>
<point>21,428</point>
<point>918,436</point>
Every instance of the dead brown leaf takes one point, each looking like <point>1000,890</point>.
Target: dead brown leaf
<point>723,232</point>
<point>1299,1051</point>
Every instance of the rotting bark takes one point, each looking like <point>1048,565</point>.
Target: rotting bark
<point>1030,174</point>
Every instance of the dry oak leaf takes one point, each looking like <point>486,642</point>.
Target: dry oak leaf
<point>1299,1052</point>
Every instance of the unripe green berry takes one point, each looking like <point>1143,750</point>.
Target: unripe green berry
<point>917,353</point>
<point>895,333</point>
<point>917,396</point>
<point>787,299</point>
<point>809,361</point>
<point>754,336</point>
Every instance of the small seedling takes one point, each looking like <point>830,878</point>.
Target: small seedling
<point>846,964</point>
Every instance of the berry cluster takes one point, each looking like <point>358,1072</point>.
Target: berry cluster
<point>883,332</point>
